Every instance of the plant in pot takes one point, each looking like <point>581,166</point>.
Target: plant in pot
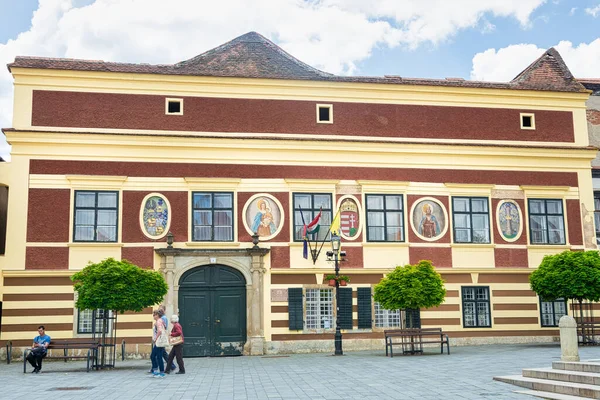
<point>330,279</point>
<point>344,280</point>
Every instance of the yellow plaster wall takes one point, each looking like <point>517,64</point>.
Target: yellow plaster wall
<point>80,256</point>
<point>473,256</point>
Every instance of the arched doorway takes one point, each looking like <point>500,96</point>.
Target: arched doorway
<point>212,311</point>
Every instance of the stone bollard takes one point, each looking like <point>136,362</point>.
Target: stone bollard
<point>568,339</point>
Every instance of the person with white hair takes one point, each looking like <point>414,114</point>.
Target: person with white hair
<point>176,340</point>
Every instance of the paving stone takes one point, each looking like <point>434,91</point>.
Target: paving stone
<point>466,374</point>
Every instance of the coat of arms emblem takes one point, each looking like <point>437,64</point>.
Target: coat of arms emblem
<point>349,218</point>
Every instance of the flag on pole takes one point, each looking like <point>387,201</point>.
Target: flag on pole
<point>311,228</point>
<point>314,225</point>
<point>335,224</point>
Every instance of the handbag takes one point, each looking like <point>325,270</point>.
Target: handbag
<point>175,340</point>
<point>162,340</point>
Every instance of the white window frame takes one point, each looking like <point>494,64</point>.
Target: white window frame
<point>319,310</point>
<point>330,107</point>
<point>532,127</point>
<point>386,318</point>
<point>173,100</point>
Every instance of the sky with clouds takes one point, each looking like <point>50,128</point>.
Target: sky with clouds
<point>490,40</point>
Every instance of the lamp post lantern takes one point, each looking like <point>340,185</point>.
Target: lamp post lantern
<point>335,246</point>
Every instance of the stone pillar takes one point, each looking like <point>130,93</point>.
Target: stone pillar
<point>256,331</point>
<point>568,339</point>
<point>168,270</point>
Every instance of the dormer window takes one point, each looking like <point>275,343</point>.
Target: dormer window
<point>325,113</point>
<point>174,106</point>
<point>527,121</point>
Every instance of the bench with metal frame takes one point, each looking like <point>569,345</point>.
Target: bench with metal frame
<point>69,344</point>
<point>411,340</point>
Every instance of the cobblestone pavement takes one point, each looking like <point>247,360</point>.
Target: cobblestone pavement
<point>465,374</point>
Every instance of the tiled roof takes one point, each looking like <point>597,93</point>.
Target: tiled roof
<point>591,84</point>
<point>253,56</point>
<point>549,70</point>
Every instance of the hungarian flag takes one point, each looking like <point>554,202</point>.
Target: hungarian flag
<point>311,228</point>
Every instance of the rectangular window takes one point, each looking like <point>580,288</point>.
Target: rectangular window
<point>476,307</point>
<point>96,216</point>
<point>174,106</point>
<point>546,221</point>
<point>385,218</point>
<point>597,215</point>
<point>471,219</point>
<point>552,311</point>
<point>325,113</point>
<point>307,207</point>
<point>528,121</point>
<point>85,321</point>
<point>212,217</point>
<point>319,309</point>
<point>387,318</point>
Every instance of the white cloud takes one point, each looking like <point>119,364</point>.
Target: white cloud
<point>333,35</point>
<point>594,12</point>
<point>572,12</point>
<point>506,63</point>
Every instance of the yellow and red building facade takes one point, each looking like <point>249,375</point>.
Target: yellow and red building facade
<point>483,179</point>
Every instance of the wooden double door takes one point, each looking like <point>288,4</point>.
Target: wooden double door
<point>212,311</point>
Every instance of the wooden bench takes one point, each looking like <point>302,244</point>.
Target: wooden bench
<point>412,340</point>
<point>70,344</point>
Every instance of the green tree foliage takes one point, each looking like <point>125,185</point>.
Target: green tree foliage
<point>569,275</point>
<point>118,285</point>
<point>412,286</point>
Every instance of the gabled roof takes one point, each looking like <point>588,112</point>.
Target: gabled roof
<point>254,56</point>
<point>548,70</point>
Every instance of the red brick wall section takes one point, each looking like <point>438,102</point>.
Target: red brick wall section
<point>48,215</point>
<point>47,258</point>
<point>143,257</point>
<point>496,234</point>
<point>574,220</point>
<point>509,258</point>
<point>354,257</point>
<point>128,111</point>
<point>280,257</point>
<point>593,117</point>
<point>441,257</point>
<point>411,234</point>
<point>132,203</point>
<point>177,170</point>
<point>284,233</point>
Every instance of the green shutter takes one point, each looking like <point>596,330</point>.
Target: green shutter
<point>413,318</point>
<point>365,318</point>
<point>345,308</point>
<point>296,313</point>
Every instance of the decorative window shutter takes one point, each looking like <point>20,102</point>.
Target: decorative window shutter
<point>295,309</point>
<point>345,308</point>
<point>365,317</point>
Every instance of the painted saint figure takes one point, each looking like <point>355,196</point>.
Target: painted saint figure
<point>263,223</point>
<point>429,226</point>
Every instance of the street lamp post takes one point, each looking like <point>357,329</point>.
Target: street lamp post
<point>335,246</point>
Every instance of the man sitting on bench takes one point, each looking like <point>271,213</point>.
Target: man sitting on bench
<point>38,350</point>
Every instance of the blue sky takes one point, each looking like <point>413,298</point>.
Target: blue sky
<point>473,39</point>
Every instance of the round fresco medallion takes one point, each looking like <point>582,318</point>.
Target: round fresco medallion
<point>349,217</point>
<point>155,216</point>
<point>263,215</point>
<point>429,219</point>
<point>509,220</point>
